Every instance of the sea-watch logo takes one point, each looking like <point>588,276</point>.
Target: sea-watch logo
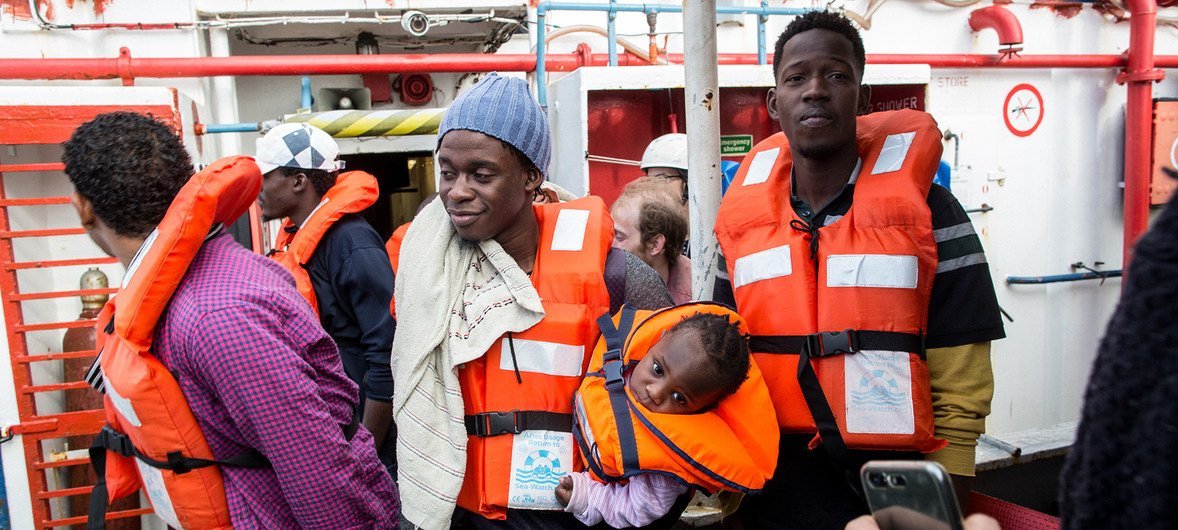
<point>541,468</point>
<point>878,390</point>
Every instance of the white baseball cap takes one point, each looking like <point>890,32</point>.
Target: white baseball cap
<point>297,145</point>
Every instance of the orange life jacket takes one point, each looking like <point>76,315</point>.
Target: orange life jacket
<point>519,396</point>
<point>152,440</point>
<point>730,447</point>
<point>393,246</point>
<point>353,192</point>
<point>838,313</point>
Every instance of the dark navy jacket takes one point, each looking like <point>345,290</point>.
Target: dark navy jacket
<point>353,282</point>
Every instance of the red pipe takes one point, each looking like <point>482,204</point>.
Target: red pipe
<point>127,68</point>
<point>1140,74</point>
<point>997,18</point>
<point>1020,61</point>
<point>945,60</point>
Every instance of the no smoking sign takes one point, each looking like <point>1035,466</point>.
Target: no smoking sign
<point>1023,110</point>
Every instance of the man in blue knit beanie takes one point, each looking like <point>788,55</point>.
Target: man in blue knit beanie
<point>502,257</point>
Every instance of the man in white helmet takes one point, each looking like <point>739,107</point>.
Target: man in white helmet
<point>666,158</point>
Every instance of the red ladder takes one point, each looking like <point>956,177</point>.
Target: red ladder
<point>28,132</point>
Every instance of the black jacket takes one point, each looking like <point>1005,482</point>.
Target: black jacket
<point>353,282</point>
<point>1123,470</point>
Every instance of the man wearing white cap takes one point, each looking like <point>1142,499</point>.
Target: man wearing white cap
<point>338,261</point>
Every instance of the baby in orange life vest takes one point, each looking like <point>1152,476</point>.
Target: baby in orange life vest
<point>671,401</point>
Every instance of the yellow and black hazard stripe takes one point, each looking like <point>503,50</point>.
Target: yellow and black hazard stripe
<point>355,123</point>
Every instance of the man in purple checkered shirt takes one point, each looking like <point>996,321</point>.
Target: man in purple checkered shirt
<point>253,362</point>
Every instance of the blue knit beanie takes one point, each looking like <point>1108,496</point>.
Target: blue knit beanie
<point>503,108</point>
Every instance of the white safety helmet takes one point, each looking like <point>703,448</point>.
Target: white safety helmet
<point>668,150</point>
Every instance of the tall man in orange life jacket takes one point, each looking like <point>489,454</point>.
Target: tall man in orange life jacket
<point>338,260</point>
<point>240,370</point>
<point>864,286</point>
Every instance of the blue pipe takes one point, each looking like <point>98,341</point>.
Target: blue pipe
<point>214,128</point>
<point>306,92</point>
<point>612,27</point>
<point>762,53</point>
<point>613,8</point>
<point>545,7</point>
<point>1057,278</point>
<point>541,73</point>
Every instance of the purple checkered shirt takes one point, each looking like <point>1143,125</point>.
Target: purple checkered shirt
<point>260,373</point>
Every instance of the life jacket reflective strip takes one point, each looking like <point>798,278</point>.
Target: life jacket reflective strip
<point>353,192</point>
<point>730,447</point>
<point>393,246</point>
<point>518,397</point>
<point>154,441</point>
<point>802,288</point>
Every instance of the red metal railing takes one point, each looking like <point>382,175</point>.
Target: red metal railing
<point>36,425</point>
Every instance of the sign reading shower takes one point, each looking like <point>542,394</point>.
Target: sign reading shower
<point>736,144</point>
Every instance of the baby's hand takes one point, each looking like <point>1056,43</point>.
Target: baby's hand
<point>564,490</point>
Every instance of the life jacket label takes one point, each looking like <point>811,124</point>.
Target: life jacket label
<point>541,357</point>
<point>879,392</point>
<point>894,151</point>
<point>538,460</point>
<point>157,493</point>
<point>872,270</point>
<point>122,404</point>
<point>773,263</point>
<point>761,167</point>
<point>569,233</point>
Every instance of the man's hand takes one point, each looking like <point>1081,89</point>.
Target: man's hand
<point>378,417</point>
<point>564,490</point>
<point>976,521</point>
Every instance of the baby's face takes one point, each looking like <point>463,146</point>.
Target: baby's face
<point>675,376</point>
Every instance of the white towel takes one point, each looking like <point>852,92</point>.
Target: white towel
<point>454,301</point>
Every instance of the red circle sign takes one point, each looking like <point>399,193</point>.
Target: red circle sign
<point>1023,110</point>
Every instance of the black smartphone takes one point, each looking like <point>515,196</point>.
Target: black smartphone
<point>910,495</point>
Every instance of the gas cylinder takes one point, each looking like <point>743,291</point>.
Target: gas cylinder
<point>82,340</point>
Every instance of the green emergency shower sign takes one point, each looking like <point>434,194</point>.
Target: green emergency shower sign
<point>735,144</point>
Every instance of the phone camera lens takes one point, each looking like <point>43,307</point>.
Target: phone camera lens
<point>897,481</point>
<point>877,479</point>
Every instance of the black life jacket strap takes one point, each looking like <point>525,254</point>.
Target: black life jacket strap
<point>836,342</point>
<point>495,423</point>
<point>615,383</point>
<point>820,410</point>
<point>111,440</point>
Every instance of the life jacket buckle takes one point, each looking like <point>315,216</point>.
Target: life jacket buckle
<point>613,375</point>
<point>117,442</point>
<point>495,423</point>
<point>829,343</point>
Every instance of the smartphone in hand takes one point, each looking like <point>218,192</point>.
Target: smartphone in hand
<point>909,495</point>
